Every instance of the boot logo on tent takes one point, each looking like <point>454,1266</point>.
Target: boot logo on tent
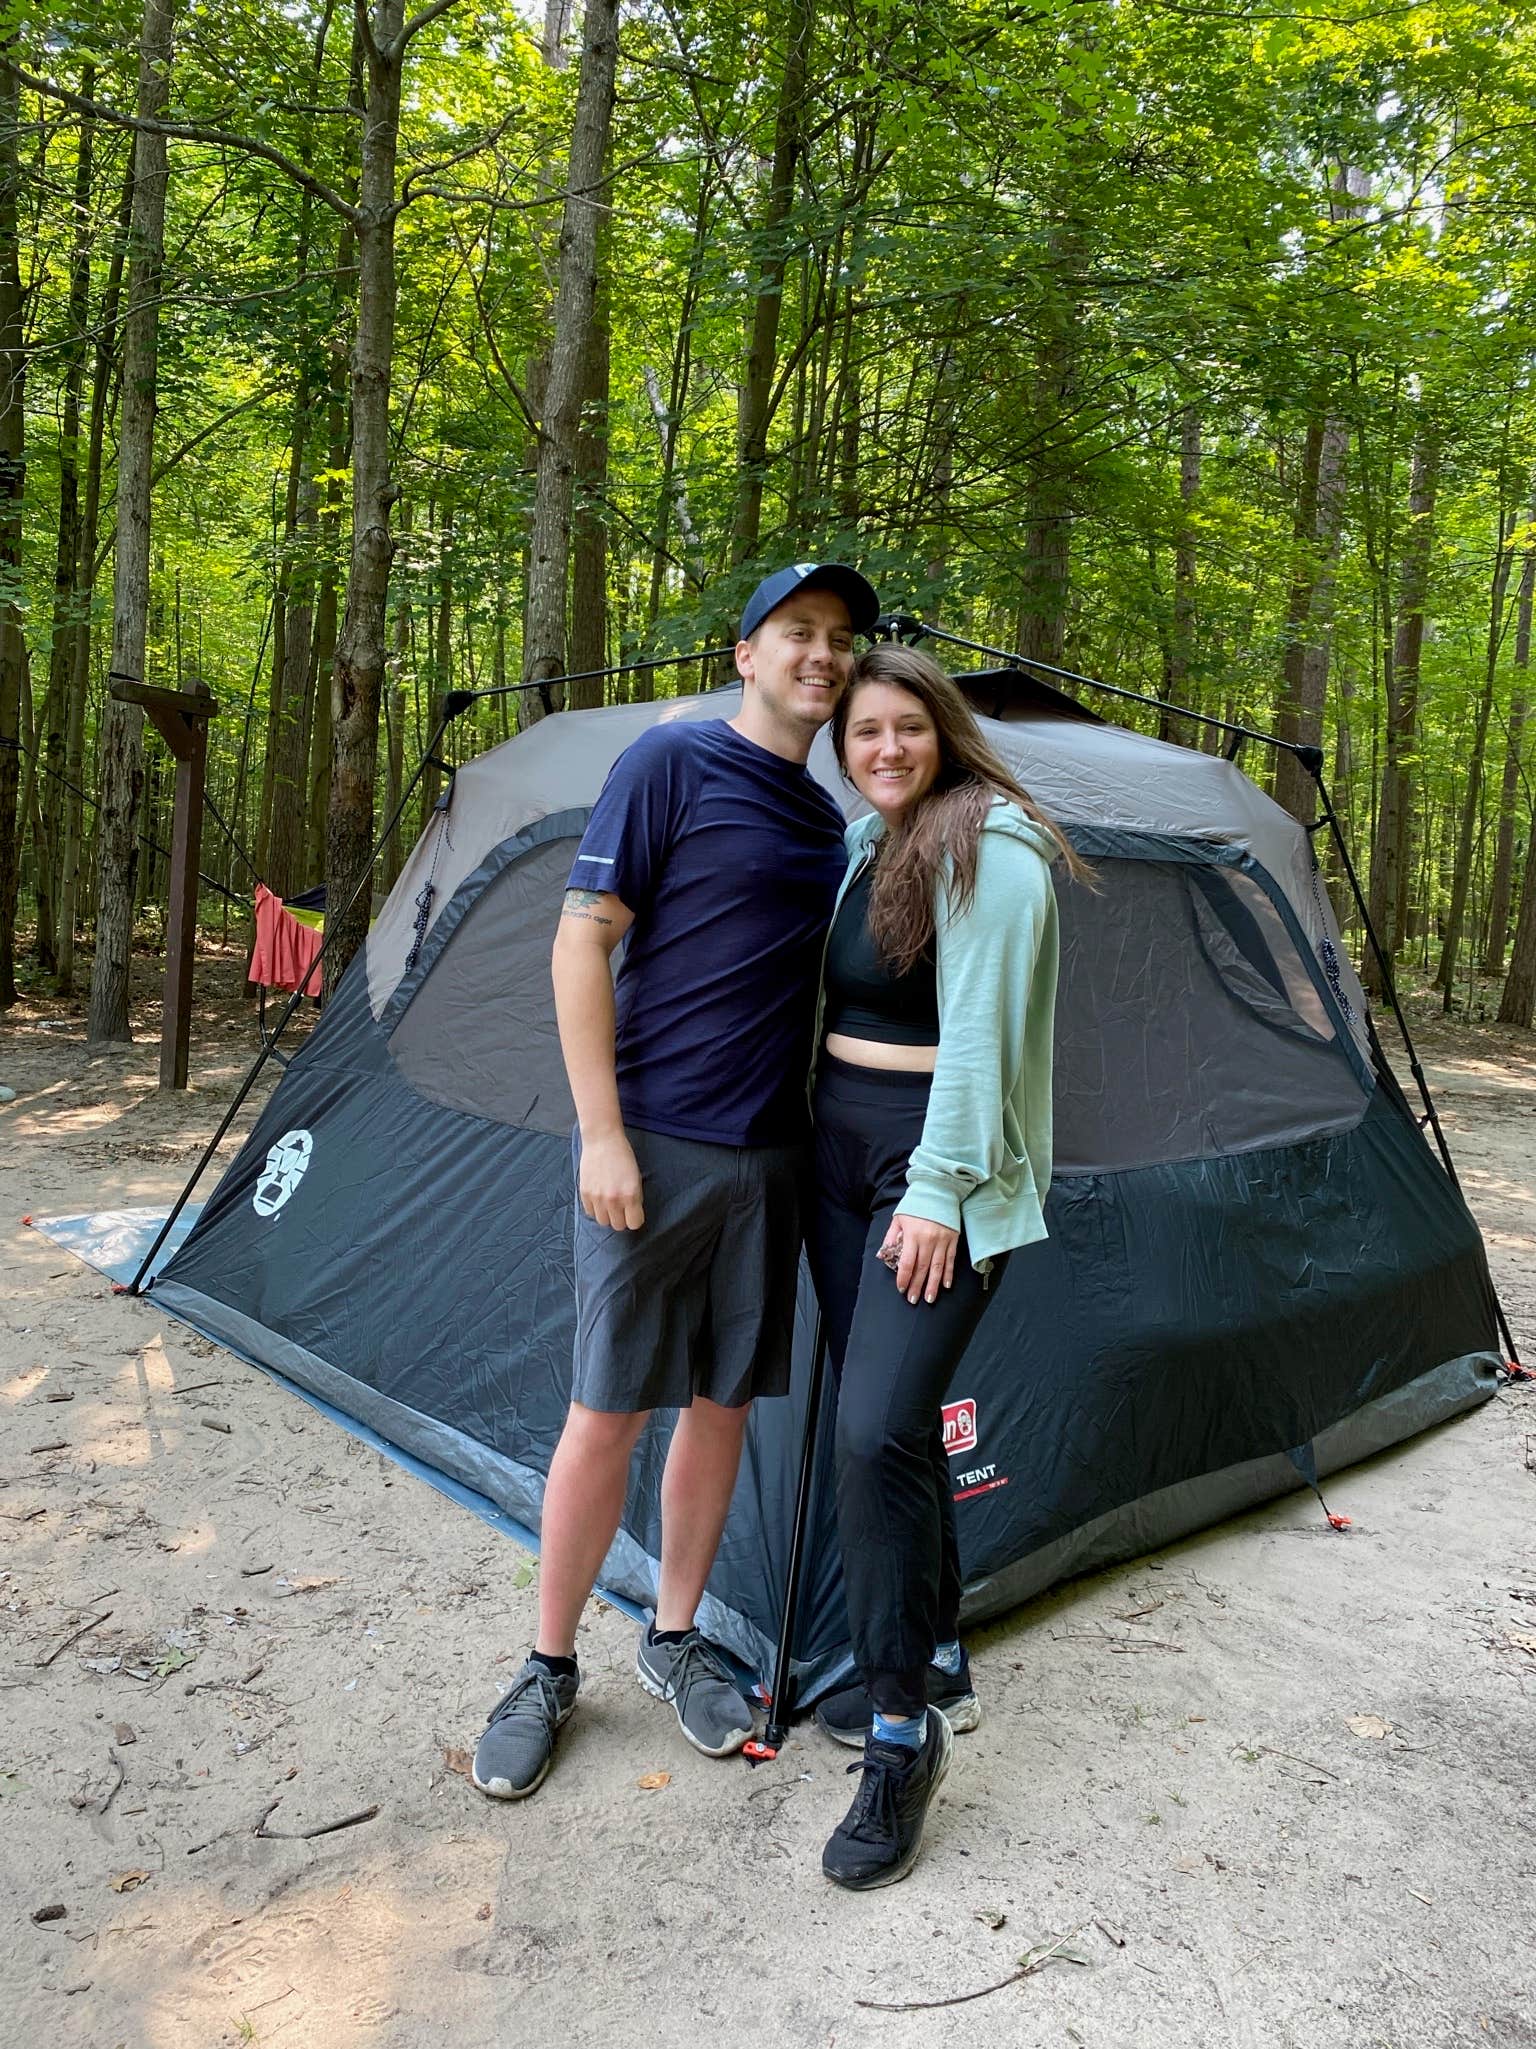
<point>287,1162</point>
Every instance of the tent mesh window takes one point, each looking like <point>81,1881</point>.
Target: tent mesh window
<point>1188,1024</point>
<point>479,1034</point>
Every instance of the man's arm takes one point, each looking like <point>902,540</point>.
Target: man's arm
<point>591,925</point>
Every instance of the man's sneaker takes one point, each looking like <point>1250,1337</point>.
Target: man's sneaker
<point>693,1675</point>
<point>518,1747</point>
<point>878,1839</point>
<point>846,1716</point>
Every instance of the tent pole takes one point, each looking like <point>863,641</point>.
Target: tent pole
<point>780,1701</point>
<point>1312,758</point>
<point>136,1285</point>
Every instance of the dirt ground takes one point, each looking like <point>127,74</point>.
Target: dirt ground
<point>217,1606</point>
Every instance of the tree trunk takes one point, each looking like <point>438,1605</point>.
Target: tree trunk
<point>1181,640</point>
<point>1392,851</point>
<point>1519,999</point>
<point>13,645</point>
<point>544,646</point>
<point>85,579</point>
<point>1319,517</point>
<point>290,784</point>
<point>121,742</point>
<point>1509,793</point>
<point>358,671</point>
<point>755,397</point>
<point>1461,872</point>
<point>589,554</point>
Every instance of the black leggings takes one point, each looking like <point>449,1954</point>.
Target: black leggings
<point>893,1361</point>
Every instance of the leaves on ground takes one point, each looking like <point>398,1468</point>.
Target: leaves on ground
<point>991,1917</point>
<point>458,1761</point>
<point>126,1881</point>
<point>173,1661</point>
<point>651,1782</point>
<point>1368,1725</point>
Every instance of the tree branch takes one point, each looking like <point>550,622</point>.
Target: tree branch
<point>416,24</point>
<point>186,131</point>
<point>460,156</point>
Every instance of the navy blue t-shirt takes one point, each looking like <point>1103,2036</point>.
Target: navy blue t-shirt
<point>730,859</point>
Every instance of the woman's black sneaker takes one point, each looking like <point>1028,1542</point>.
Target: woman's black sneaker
<point>846,1716</point>
<point>879,1837</point>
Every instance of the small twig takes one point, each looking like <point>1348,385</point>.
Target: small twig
<point>30,1516</point>
<point>1028,1970</point>
<point>117,1784</point>
<point>1269,1751</point>
<point>1135,1614</point>
<point>304,1835</point>
<point>195,1386</point>
<point>74,1637</point>
<point>215,1423</point>
<point>56,1444</point>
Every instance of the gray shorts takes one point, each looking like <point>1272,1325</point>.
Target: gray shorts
<point>701,1299</point>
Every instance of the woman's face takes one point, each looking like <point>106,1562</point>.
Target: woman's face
<point>892,748</point>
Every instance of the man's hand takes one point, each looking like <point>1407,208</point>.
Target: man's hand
<point>609,1184</point>
<point>922,1256</point>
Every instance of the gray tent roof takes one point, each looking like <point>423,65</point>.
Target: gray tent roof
<point>1083,774</point>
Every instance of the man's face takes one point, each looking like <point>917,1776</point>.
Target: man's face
<point>801,658</point>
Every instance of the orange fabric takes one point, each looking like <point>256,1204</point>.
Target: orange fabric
<point>285,949</point>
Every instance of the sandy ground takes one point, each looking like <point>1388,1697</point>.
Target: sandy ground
<point>1167,1773</point>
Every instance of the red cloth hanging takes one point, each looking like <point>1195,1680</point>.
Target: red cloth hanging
<point>285,949</point>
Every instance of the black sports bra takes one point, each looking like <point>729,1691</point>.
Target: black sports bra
<point>864,998</point>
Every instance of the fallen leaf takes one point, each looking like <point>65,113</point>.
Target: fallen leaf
<point>310,1585</point>
<point>1368,1725</point>
<point>122,1733</point>
<point>991,1917</point>
<point>524,1574</point>
<point>1521,1640</point>
<point>125,1881</point>
<point>173,1661</point>
<point>53,1913</point>
<point>653,1781</point>
<point>458,1761</point>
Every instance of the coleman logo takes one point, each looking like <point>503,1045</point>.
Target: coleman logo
<point>286,1166</point>
<point>959,1427</point>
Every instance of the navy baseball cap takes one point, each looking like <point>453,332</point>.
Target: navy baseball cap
<point>856,592</point>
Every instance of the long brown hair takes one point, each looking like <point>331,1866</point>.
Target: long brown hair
<point>947,821</point>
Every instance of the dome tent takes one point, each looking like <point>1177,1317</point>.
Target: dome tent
<point>1256,1271</point>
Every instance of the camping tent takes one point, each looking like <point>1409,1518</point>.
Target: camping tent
<point>1256,1271</point>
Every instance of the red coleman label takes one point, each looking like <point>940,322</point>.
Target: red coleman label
<point>959,1427</point>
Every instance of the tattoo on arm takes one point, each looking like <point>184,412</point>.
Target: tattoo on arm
<point>583,903</point>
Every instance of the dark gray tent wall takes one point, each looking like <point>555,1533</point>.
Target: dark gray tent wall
<point>1256,1271</point>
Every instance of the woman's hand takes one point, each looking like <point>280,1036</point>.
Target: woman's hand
<point>922,1256</point>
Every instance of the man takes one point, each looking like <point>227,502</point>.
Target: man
<point>720,858</point>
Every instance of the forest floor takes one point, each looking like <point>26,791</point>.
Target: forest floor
<point>1272,1783</point>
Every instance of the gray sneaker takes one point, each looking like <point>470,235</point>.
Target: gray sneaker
<point>514,1755</point>
<point>711,1710</point>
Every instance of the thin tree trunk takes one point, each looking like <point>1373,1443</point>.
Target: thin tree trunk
<point>1319,516</point>
<point>290,784</point>
<point>755,397</point>
<point>85,578</point>
<point>1181,640</point>
<point>13,645</point>
<point>589,551</point>
<point>1509,793</point>
<point>544,648</point>
<point>1392,853</point>
<point>1461,872</point>
<point>121,742</point>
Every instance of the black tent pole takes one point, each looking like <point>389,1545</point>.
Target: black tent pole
<point>136,1285</point>
<point>780,1698</point>
<point>1312,758</point>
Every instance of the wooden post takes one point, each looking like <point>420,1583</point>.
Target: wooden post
<point>181,718</point>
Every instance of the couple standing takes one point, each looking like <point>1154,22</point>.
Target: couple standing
<point>915,958</point>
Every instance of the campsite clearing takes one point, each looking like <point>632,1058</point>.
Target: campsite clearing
<point>1270,1784</point>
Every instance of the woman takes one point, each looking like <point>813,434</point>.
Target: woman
<point>933,1154</point>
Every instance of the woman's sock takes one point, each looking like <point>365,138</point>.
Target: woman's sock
<point>908,1732</point>
<point>947,1658</point>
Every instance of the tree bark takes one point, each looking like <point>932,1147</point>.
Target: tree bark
<point>1319,517</point>
<point>1509,793</point>
<point>755,396</point>
<point>1181,639</point>
<point>1392,851</point>
<point>544,646</point>
<point>13,645</point>
<point>1461,872</point>
<point>121,744</point>
<point>85,577</point>
<point>589,552</point>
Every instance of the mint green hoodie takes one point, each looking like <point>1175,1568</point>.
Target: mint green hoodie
<point>984,1162</point>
